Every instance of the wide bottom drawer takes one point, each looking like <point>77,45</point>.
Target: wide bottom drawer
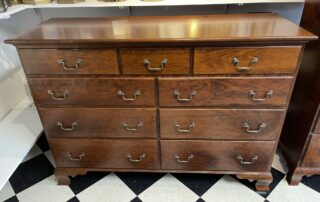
<point>105,153</point>
<point>217,155</point>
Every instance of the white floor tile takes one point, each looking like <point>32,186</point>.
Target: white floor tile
<point>49,156</point>
<point>46,190</point>
<point>6,192</point>
<point>108,189</point>
<point>285,193</point>
<point>35,151</point>
<point>228,189</point>
<point>167,189</point>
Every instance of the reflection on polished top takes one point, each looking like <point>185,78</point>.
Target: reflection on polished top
<point>232,27</point>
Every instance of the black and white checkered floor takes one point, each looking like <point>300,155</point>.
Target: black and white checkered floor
<point>34,181</point>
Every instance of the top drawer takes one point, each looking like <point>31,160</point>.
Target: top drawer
<point>254,60</point>
<point>155,61</point>
<point>69,61</point>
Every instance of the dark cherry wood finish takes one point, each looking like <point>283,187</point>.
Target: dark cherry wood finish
<point>93,91</point>
<point>133,61</point>
<point>222,91</point>
<point>221,123</point>
<point>100,122</point>
<point>84,126</point>
<point>216,155</point>
<point>46,61</point>
<point>105,153</point>
<point>274,60</point>
<point>299,141</point>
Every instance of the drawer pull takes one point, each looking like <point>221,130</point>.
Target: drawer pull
<point>81,156</point>
<point>58,98</point>
<point>127,127</point>
<point>181,130</point>
<point>247,126</point>
<point>183,161</point>
<point>147,63</point>
<point>236,62</point>
<point>136,160</point>
<point>71,128</point>
<point>135,95</point>
<point>64,66</point>
<point>191,95</point>
<point>240,158</point>
<point>268,95</point>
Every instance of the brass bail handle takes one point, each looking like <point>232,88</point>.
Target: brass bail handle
<point>184,130</point>
<point>76,66</point>
<point>128,128</point>
<point>136,93</point>
<point>267,96</point>
<point>79,158</point>
<point>130,158</point>
<point>240,158</point>
<point>176,93</point>
<point>64,96</point>
<point>74,124</point>
<point>236,62</point>
<point>176,156</point>
<point>249,130</point>
<point>163,64</point>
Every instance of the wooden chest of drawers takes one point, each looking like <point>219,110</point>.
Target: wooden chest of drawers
<point>163,94</point>
<point>300,139</point>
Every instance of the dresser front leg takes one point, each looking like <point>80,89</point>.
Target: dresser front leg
<point>63,178</point>
<point>294,177</point>
<point>263,180</point>
<point>263,184</point>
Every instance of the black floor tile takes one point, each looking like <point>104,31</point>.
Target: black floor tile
<point>31,172</point>
<point>198,183</point>
<point>313,182</point>
<point>200,200</point>
<point>138,182</point>
<point>73,199</point>
<point>137,199</point>
<point>81,182</point>
<point>43,143</point>
<point>12,199</point>
<point>277,177</point>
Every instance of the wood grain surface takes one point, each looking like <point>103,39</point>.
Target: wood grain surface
<point>271,60</point>
<point>45,61</point>
<point>100,122</point>
<point>132,61</point>
<point>224,124</point>
<point>105,153</point>
<point>216,155</point>
<point>94,91</point>
<point>224,91</point>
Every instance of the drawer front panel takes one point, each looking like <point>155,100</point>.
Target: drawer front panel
<point>99,122</point>
<point>312,156</point>
<point>239,91</point>
<point>69,61</point>
<point>243,124</point>
<point>95,91</point>
<point>105,153</point>
<point>257,60</point>
<point>155,61</point>
<point>216,155</point>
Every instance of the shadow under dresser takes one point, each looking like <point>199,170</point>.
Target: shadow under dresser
<point>191,94</point>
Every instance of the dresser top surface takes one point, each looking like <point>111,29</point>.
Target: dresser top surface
<point>209,28</point>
